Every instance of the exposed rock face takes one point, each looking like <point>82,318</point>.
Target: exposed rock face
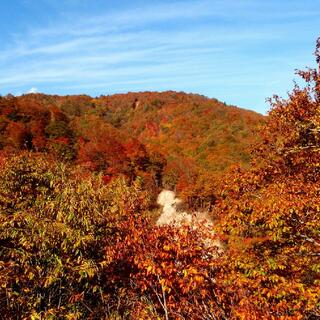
<point>197,220</point>
<point>171,214</point>
<point>135,104</point>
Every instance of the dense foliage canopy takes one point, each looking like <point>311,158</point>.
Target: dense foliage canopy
<point>169,139</point>
<point>79,178</point>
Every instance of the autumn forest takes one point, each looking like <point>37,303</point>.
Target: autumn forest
<point>80,179</point>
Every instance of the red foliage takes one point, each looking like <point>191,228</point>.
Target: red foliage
<point>172,267</point>
<point>17,135</point>
<point>106,178</point>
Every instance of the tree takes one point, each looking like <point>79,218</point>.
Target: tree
<point>270,214</point>
<point>55,223</point>
<point>18,136</point>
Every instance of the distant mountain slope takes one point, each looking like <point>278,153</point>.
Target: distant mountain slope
<point>199,137</point>
<point>173,139</point>
<point>211,133</point>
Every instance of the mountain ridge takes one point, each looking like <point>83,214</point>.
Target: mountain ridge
<point>177,139</point>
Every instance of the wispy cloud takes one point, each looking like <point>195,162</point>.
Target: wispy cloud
<point>208,46</point>
<point>33,90</point>
<point>130,18</point>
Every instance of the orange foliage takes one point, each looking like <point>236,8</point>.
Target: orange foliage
<point>271,214</point>
<point>173,268</point>
<point>78,245</point>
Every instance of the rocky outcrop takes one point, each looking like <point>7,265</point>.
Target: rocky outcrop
<point>171,215</point>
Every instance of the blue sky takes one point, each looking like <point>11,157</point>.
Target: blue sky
<point>239,51</point>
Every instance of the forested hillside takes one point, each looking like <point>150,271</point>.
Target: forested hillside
<point>79,177</point>
<point>172,140</point>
